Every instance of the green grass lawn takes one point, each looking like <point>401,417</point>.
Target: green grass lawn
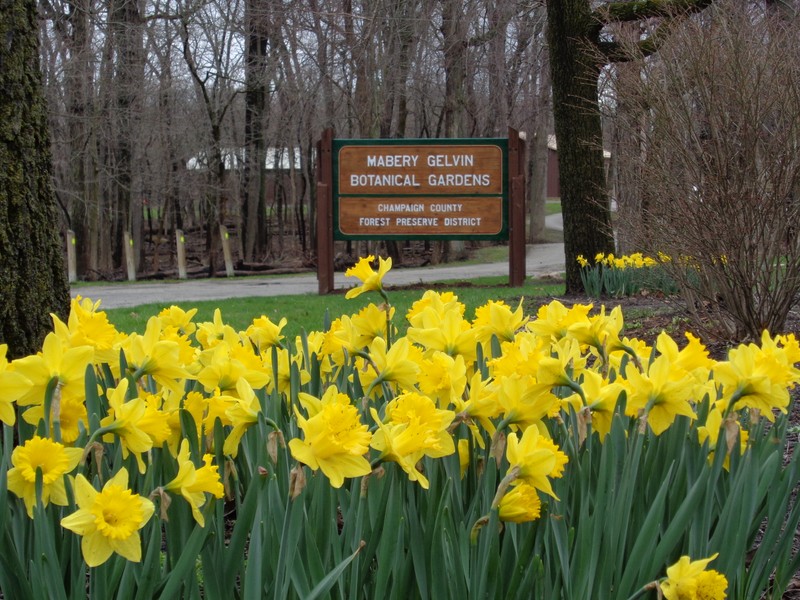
<point>307,312</point>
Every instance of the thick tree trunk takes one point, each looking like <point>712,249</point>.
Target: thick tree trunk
<point>253,228</point>
<point>575,72</point>
<point>32,275</point>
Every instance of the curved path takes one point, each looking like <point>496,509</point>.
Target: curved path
<point>541,259</point>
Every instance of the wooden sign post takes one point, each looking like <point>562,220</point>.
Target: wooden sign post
<point>464,189</point>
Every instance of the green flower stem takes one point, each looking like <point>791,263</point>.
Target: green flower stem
<point>93,438</point>
<point>575,387</point>
<point>634,357</point>
<point>653,585</point>
<point>510,477</point>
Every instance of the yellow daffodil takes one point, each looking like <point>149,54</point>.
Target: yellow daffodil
<point>53,459</point>
<point>463,456</point>
<point>658,395</point>
<point>12,386</point>
<point>334,439</point>
<point>481,405</point>
<point>89,326</point>
<point>441,303</point>
<point>779,356</point>
<point>155,422</point>
<point>54,362</point>
<point>443,377</point>
<point>689,580</point>
<point>265,334</point>
<point>495,318</point>
<point>691,361</point>
<point>397,364</point>
<point>601,400</point>
<point>124,421</point>
<point>713,426</point>
<point>370,280</point>
<point>521,356</point>
<point>176,318</point>
<point>554,320</point>
<point>369,323</point>
<point>194,483</point>
<point>242,414</point>
<point>520,504</point>
<point>446,332</point>
<point>524,402</point>
<point>414,428</point>
<point>564,368</point>
<point>536,458</point>
<point>600,331</point>
<point>150,355</point>
<point>108,521</point>
<point>224,365</point>
<point>750,381</point>
<point>211,333</point>
<point>284,367</point>
<point>70,412</point>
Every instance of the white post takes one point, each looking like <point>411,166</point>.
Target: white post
<point>226,250</point>
<point>130,262</point>
<point>72,268</point>
<point>181,242</point>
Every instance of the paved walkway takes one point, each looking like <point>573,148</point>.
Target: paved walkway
<point>541,259</point>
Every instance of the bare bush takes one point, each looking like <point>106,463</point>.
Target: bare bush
<point>715,125</point>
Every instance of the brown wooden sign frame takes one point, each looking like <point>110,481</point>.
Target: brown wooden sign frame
<point>420,189</point>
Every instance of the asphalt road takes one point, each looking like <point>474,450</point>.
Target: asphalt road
<point>541,259</point>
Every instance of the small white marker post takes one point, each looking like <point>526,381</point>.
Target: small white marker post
<point>181,243</point>
<point>226,250</point>
<point>72,268</point>
<point>130,262</point>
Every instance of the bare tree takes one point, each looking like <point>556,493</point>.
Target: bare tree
<point>717,167</point>
<point>213,55</point>
<point>581,42</point>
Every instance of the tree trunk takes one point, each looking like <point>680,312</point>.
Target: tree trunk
<point>575,73</point>
<point>254,182</point>
<point>32,273</point>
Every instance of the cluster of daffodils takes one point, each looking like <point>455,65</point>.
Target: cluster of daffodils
<point>636,260</point>
<point>116,423</point>
<point>618,276</point>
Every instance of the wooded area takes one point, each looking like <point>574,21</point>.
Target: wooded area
<point>163,112</point>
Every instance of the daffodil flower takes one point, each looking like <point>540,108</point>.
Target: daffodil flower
<point>53,459</point>
<point>689,580</point>
<point>520,504</point>
<point>124,421</point>
<point>108,521</point>
<point>535,458</point>
<point>371,280</point>
<point>334,439</point>
<point>193,483</point>
<point>12,386</point>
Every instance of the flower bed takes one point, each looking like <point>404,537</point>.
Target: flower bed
<point>420,455</point>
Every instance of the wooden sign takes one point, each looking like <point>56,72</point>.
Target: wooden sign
<point>430,188</point>
<point>420,189</point>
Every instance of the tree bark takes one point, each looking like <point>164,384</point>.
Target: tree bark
<point>32,273</point>
<point>253,228</point>
<point>575,74</point>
